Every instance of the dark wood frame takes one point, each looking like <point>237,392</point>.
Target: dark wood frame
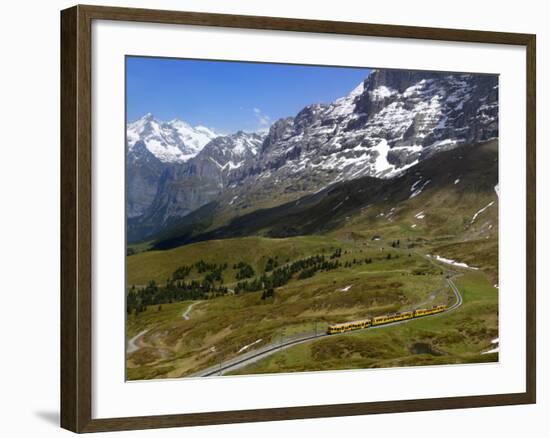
<point>76,225</point>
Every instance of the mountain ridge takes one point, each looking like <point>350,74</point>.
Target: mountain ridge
<point>390,122</point>
<point>468,169</point>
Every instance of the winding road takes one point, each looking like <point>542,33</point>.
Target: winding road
<point>133,345</point>
<point>244,360</point>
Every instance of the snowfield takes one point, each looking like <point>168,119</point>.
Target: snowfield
<point>171,142</point>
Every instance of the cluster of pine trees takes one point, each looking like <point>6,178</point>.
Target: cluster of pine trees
<point>203,266</point>
<point>356,261</point>
<point>271,264</point>
<point>176,289</point>
<point>244,271</point>
<point>182,272</point>
<point>137,300</point>
<point>212,284</point>
<point>280,276</point>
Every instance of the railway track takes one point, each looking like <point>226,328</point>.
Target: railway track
<point>241,361</point>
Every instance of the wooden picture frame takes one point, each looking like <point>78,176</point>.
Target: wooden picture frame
<point>76,217</point>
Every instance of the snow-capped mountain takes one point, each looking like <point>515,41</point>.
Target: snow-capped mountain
<point>183,187</point>
<point>387,124</point>
<point>232,151</point>
<point>153,145</point>
<point>170,142</point>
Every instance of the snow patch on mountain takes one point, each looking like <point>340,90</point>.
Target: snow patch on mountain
<point>345,106</point>
<point>481,211</point>
<point>246,347</point>
<point>382,92</point>
<point>452,262</point>
<point>416,189</point>
<point>382,165</point>
<point>195,138</point>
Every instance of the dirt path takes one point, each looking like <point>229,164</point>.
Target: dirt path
<point>133,343</point>
<point>188,310</point>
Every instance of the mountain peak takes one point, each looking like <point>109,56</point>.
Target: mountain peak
<point>173,141</point>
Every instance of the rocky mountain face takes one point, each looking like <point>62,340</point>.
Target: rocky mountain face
<point>151,147</point>
<point>143,170</point>
<point>390,122</point>
<point>182,188</point>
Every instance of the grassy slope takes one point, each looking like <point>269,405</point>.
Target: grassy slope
<point>220,327</point>
<point>456,337</point>
<point>159,265</point>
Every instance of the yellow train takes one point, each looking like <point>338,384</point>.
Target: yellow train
<point>425,312</point>
<point>394,317</point>
<point>348,326</point>
<point>383,319</point>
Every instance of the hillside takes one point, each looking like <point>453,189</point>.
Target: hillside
<point>446,190</point>
<point>372,278</point>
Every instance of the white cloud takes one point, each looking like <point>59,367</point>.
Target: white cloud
<point>263,120</point>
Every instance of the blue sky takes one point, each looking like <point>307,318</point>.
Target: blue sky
<point>230,96</point>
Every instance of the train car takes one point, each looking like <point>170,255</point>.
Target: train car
<point>425,312</point>
<point>348,326</point>
<point>394,317</point>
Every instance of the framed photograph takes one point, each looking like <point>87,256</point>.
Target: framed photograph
<point>268,218</point>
